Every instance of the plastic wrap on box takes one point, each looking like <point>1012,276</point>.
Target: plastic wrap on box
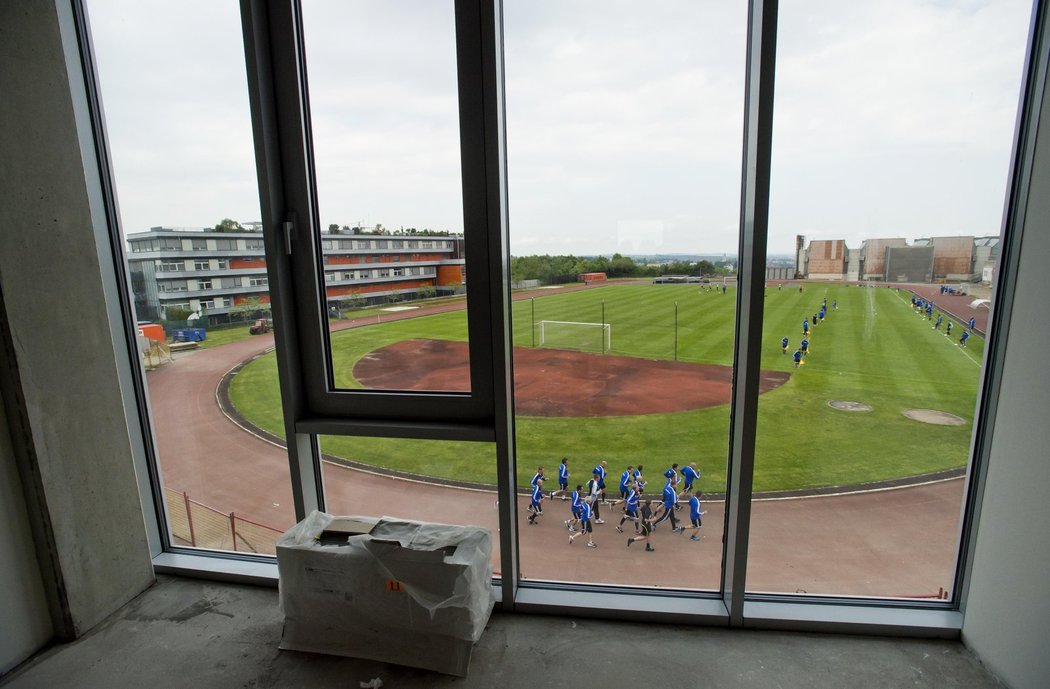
<point>405,592</point>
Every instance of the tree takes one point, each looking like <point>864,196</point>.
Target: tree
<point>333,228</point>
<point>426,292</point>
<point>353,301</point>
<point>176,313</point>
<point>250,308</point>
<point>228,225</point>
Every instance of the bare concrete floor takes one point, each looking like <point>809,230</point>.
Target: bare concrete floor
<point>188,633</point>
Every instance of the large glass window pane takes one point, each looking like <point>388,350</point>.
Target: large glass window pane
<point>173,87</point>
<point>624,128</point>
<point>891,147</point>
<point>421,480</point>
<point>385,124</point>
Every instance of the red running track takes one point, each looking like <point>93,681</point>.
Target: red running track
<point>898,542</point>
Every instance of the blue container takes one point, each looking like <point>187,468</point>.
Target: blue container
<point>189,335</point>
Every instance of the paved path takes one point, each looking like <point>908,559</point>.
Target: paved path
<point>891,543</point>
<point>957,305</point>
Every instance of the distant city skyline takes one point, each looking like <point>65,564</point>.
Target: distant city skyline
<point>892,119</point>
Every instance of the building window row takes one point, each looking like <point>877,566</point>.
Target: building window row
<point>377,273</point>
<point>360,244</point>
<point>211,283</point>
<point>138,246</point>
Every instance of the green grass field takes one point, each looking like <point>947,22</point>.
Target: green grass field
<point>873,349</point>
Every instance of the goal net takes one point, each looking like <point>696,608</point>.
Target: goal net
<point>585,337</point>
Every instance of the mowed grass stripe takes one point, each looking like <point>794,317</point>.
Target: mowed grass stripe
<point>873,349</point>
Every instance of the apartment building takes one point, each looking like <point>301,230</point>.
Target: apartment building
<point>212,273</point>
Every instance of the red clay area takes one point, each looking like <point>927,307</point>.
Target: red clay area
<point>556,382</point>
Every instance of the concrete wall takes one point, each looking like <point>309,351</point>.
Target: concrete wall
<point>81,487</point>
<point>1008,605</point>
<point>909,264</point>
<point>826,257</point>
<point>952,256</point>
<point>25,620</point>
<point>873,255</point>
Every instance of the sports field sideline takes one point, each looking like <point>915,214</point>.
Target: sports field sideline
<point>873,349</point>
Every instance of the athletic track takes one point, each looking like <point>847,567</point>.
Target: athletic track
<point>898,542</point>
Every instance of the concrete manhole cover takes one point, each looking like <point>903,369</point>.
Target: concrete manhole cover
<point>941,418</point>
<point>846,405</point>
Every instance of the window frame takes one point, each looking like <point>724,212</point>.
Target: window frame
<point>733,606</point>
<point>285,111</point>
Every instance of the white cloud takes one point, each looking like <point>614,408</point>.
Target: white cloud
<point>892,117</point>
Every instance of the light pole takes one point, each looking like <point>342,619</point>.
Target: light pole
<point>676,331</point>
<point>532,301</point>
<point>602,333</point>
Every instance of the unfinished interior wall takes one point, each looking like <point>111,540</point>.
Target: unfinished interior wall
<point>85,507</point>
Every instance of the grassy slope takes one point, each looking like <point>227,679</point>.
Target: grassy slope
<point>872,350</point>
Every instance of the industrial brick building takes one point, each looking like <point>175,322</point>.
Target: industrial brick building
<point>827,259</point>
<point>929,259</point>
<point>212,273</point>
<point>873,256</point>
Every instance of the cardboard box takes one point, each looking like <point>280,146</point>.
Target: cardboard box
<point>397,591</point>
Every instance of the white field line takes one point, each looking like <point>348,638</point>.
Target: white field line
<point>869,315</point>
<point>956,344</point>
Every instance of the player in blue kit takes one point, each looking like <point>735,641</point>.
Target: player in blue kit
<point>630,510</point>
<point>964,338</point>
<point>797,356</point>
<point>537,497</point>
<point>585,524</point>
<point>784,345</point>
<point>577,508</point>
<point>600,473</point>
<point>538,476</point>
<point>639,480</point>
<point>626,479</point>
<point>694,516</point>
<point>563,479</point>
<point>805,327</point>
<point>804,347</point>
<point>689,474</point>
<point>672,475</point>
<point>972,323</point>
<point>645,525</point>
<point>937,324</point>
<point>672,480</point>
<point>594,491</point>
<point>670,500</point>
<point>948,328</point>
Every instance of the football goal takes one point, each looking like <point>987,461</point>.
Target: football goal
<point>586,337</point>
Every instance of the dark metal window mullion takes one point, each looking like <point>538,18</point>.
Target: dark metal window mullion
<point>499,306</point>
<point>754,222</point>
<point>269,42</point>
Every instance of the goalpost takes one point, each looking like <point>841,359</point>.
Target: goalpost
<point>588,337</point>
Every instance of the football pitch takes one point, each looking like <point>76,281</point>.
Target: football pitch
<point>873,350</point>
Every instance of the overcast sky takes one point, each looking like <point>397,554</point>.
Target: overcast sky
<point>894,118</point>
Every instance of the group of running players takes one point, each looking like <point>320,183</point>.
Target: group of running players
<point>644,514</point>
<point>803,347</point>
<point>925,307</point>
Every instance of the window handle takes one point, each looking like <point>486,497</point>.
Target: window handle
<point>289,233</point>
